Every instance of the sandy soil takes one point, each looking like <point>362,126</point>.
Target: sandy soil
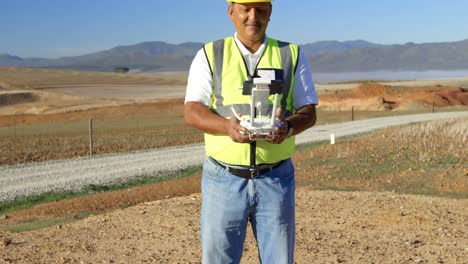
<point>332,227</point>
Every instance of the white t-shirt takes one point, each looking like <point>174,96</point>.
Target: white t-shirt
<point>199,84</point>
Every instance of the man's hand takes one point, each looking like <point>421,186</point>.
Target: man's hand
<point>302,119</point>
<point>199,116</point>
<point>280,132</point>
<point>237,132</point>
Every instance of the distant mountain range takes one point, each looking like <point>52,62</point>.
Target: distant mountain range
<point>324,56</point>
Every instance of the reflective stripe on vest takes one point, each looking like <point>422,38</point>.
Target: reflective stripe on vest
<point>229,72</point>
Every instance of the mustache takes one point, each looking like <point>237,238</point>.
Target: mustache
<point>252,23</point>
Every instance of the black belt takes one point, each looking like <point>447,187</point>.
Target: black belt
<point>247,172</point>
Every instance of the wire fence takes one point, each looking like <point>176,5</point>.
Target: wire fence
<point>54,140</point>
<point>20,143</point>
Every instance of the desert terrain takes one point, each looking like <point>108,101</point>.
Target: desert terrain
<point>50,109</point>
<point>43,91</point>
<point>347,210</point>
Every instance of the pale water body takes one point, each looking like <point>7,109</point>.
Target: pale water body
<point>387,75</point>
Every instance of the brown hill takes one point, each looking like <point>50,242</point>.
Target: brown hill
<point>369,90</point>
<point>454,96</point>
<point>376,96</point>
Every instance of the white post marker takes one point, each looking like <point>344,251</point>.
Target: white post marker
<point>332,139</point>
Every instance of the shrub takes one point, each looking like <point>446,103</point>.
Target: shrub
<point>121,69</point>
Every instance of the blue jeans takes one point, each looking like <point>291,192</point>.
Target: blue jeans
<point>229,202</point>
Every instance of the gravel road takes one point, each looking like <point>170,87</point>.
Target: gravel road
<point>73,174</point>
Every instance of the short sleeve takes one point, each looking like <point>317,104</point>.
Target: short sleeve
<point>199,83</point>
<point>304,88</point>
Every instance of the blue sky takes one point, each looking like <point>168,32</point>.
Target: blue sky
<point>55,28</point>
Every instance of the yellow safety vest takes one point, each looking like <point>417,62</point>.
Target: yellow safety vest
<point>229,73</point>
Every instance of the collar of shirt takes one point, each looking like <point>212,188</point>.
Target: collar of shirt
<point>250,58</point>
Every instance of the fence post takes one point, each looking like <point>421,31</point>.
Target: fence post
<point>433,102</point>
<point>352,113</point>
<point>90,136</point>
<point>433,105</point>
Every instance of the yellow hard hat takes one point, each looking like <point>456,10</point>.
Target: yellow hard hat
<point>249,1</point>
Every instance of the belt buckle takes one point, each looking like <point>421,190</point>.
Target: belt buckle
<point>253,173</point>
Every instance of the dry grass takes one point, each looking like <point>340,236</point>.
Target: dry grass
<point>429,158</point>
<point>451,139</point>
<point>119,129</point>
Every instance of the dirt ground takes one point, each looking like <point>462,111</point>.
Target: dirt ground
<point>159,223</point>
<point>332,227</point>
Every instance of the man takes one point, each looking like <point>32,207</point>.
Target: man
<point>247,180</point>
